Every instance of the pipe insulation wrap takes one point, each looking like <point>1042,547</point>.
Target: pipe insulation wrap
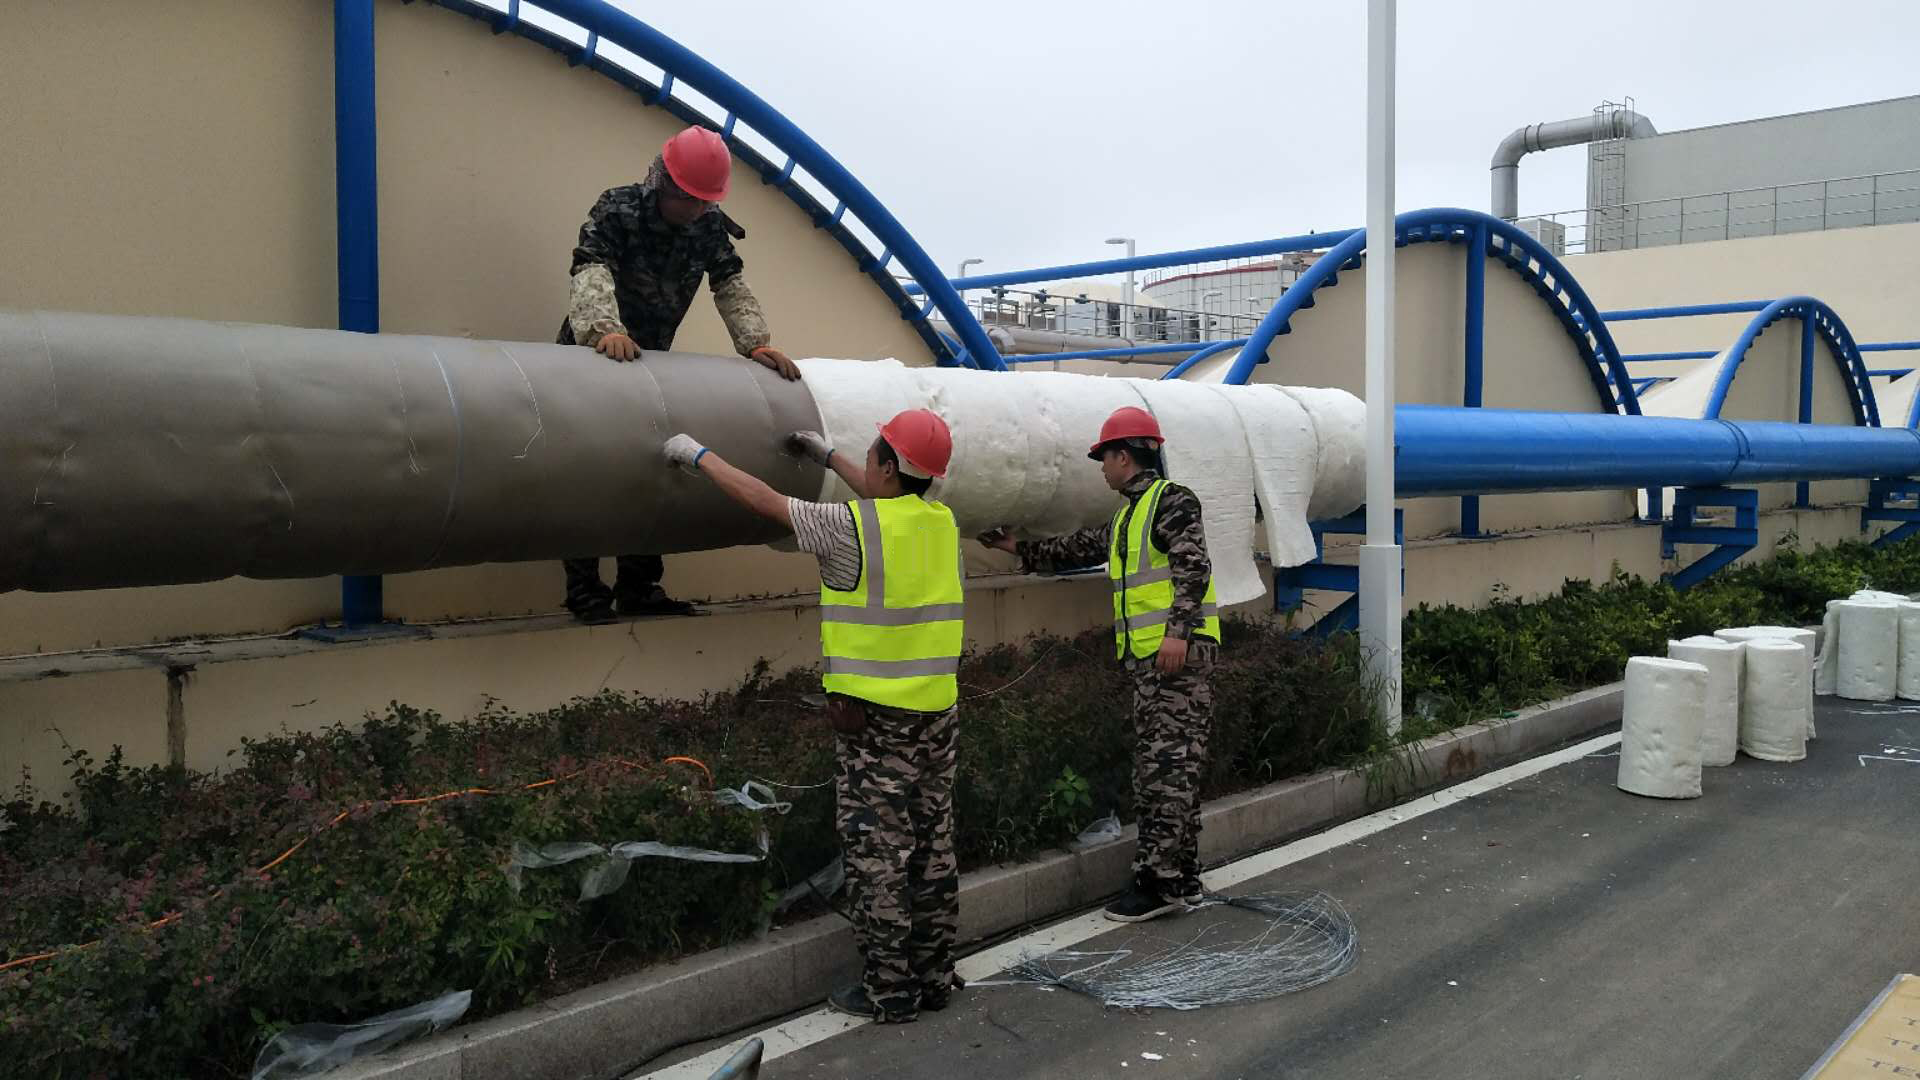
<point>1907,682</point>
<point>1867,649</point>
<point>1020,444</point>
<point>147,451</point>
<point>1720,713</point>
<point>1808,641</point>
<point>1773,700</point>
<point>1662,709</point>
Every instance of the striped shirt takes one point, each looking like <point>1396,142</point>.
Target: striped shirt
<point>825,531</point>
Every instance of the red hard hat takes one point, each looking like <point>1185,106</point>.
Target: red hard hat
<point>699,163</point>
<point>1127,422</point>
<point>921,439</point>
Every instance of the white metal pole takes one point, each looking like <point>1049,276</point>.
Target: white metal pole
<point>1380,601</point>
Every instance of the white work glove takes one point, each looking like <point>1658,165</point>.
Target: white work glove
<point>683,451</point>
<point>810,445</point>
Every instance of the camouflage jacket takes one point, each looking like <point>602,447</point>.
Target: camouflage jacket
<point>635,274</point>
<point>1177,531</point>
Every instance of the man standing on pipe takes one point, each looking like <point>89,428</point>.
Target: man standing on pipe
<point>1167,631</point>
<point>891,633</point>
<point>639,262</point>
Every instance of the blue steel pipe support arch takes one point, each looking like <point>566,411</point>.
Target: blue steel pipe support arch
<point>1582,320</point>
<point>1825,321</point>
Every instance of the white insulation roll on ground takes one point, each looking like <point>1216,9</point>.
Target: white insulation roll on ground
<point>1720,727</point>
<point>1020,451</point>
<point>1826,666</point>
<point>1907,683</point>
<point>1773,700</point>
<point>1808,640</point>
<point>1662,709</point>
<point>1867,642</point>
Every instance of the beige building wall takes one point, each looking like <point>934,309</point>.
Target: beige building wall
<point>1868,275</point>
<point>198,180</point>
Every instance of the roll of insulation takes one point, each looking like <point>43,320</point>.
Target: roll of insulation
<point>1807,639</point>
<point>1907,683</point>
<point>1773,700</point>
<point>1720,729</point>
<point>1665,702</point>
<point>1867,640</point>
<point>1826,665</point>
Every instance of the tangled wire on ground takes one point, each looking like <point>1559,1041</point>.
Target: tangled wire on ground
<point>1310,940</point>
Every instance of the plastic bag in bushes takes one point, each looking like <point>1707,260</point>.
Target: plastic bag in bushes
<point>1104,831</point>
<point>610,872</point>
<point>311,1049</point>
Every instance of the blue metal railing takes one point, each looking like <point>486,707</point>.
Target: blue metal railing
<point>601,22</point>
<point>1735,307</point>
<point>1278,246</point>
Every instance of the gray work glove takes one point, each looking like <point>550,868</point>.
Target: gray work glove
<point>684,451</point>
<point>810,445</point>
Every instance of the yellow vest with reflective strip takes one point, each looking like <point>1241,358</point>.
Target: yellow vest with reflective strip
<point>1142,577</point>
<point>895,638</point>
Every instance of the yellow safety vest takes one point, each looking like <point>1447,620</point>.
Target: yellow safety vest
<point>1142,577</point>
<point>895,639</point>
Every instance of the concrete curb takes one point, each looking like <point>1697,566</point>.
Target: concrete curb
<point>605,1030</point>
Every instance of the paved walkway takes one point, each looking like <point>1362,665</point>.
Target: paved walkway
<point>1556,927</point>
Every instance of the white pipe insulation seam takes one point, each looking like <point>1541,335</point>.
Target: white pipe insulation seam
<point>1773,704</point>
<point>1724,661</point>
<point>1661,714</point>
<point>1020,444</point>
<point>1806,639</point>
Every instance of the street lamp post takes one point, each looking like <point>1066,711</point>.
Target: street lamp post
<point>1206,311</point>
<point>1126,324</point>
<point>1380,599</point>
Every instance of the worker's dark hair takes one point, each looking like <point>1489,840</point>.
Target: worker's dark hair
<point>1143,456</point>
<point>912,485</point>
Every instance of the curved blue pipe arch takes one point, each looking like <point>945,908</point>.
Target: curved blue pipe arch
<point>1520,252</point>
<point>1822,320</point>
<point>603,22</point>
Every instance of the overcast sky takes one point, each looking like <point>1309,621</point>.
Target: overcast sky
<point>1027,132</point>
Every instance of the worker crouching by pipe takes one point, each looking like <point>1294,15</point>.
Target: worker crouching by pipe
<point>891,633</point>
<point>1167,633</point>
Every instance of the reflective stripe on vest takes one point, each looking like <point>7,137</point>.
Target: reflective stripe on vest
<point>894,639</point>
<point>1142,578</point>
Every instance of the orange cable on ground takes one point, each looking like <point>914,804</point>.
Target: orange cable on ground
<point>175,916</point>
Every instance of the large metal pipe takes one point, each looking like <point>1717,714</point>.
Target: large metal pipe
<point>144,451</point>
<point>141,451</point>
<point>1612,124</point>
<point>1444,450</point>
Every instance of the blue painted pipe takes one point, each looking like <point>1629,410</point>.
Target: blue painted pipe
<point>1891,346</point>
<point>1195,347</point>
<point>1214,349</point>
<point>1278,246</point>
<point>1695,354</point>
<point>622,29</point>
<point>1447,450</point>
<point>1737,307</point>
<point>357,224</point>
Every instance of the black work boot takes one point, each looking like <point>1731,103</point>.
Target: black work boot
<point>1142,902</point>
<point>853,1001</point>
<point>653,601</point>
<point>594,612</point>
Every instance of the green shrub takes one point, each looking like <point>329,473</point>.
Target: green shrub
<point>400,902</point>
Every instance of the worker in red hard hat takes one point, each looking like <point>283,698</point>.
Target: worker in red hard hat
<point>642,254</point>
<point>1167,633</point>
<point>891,632</point>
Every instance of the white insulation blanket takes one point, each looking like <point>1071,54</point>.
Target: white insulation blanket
<point>1020,444</point>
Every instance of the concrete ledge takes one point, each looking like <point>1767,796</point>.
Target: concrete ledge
<point>606,1030</point>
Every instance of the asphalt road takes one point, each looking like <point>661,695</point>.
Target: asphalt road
<point>1556,927</point>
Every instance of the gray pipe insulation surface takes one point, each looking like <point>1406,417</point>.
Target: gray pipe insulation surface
<point>147,451</point>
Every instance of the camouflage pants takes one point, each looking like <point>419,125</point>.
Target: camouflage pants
<point>638,574</point>
<point>895,815</point>
<point>1172,715</point>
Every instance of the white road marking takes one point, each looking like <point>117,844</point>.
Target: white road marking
<point>822,1024</point>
